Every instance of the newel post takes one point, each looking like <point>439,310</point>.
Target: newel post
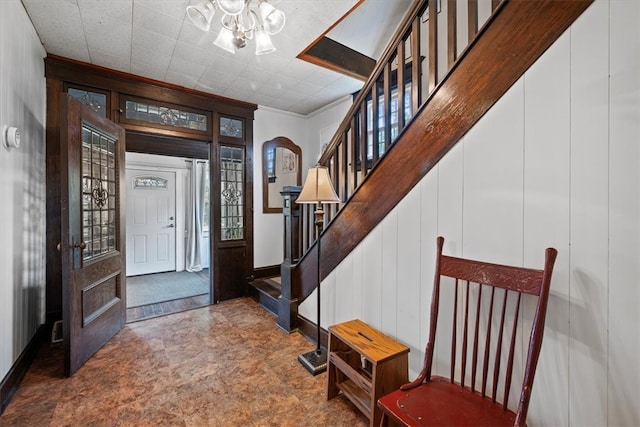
<point>288,300</point>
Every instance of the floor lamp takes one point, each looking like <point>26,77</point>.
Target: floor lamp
<point>317,190</point>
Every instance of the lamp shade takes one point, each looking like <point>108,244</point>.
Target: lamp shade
<point>263,42</point>
<point>225,40</point>
<point>318,187</point>
<point>201,14</point>
<point>232,7</point>
<point>272,18</point>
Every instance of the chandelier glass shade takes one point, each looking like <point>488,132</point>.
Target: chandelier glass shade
<point>241,21</point>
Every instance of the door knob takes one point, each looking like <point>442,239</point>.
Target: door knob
<point>80,245</point>
<point>170,225</point>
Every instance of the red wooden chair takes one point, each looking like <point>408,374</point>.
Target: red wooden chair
<point>470,396</point>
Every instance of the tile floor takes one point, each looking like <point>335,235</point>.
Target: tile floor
<point>221,365</point>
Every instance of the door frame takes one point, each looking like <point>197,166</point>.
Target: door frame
<point>62,73</point>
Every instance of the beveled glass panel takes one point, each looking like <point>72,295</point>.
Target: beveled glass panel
<point>149,182</point>
<point>165,115</point>
<point>232,194</point>
<point>98,192</point>
<point>231,127</point>
<point>96,101</point>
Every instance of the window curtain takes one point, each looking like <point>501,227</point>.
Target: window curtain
<point>195,211</point>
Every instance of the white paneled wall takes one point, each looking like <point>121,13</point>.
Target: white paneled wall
<point>554,163</point>
<point>22,184</point>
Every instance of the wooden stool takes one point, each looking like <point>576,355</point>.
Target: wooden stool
<point>364,364</point>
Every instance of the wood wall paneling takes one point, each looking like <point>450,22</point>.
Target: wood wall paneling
<point>547,121</point>
<point>624,216</point>
<point>372,301</point>
<point>389,250</point>
<point>493,181</point>
<point>358,287</point>
<point>428,226</point>
<point>408,285</point>
<point>589,287</point>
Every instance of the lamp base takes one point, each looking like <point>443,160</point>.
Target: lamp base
<point>314,361</point>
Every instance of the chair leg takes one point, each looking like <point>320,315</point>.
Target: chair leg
<point>384,420</point>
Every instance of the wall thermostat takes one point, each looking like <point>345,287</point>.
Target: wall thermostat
<point>10,137</point>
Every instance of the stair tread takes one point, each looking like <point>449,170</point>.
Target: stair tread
<point>267,286</point>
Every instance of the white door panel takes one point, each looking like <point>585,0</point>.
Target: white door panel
<point>151,212</point>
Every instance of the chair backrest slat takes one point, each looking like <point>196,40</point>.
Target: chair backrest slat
<point>476,332</point>
<point>475,277</point>
<point>507,380</point>
<point>465,332</point>
<point>455,332</point>
<point>496,368</point>
<point>487,346</point>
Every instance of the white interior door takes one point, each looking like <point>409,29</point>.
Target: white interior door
<point>151,220</point>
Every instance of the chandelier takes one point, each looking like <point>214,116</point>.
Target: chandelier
<point>242,20</point>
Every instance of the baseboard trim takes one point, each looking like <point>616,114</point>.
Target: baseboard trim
<point>264,272</point>
<point>10,382</point>
<point>308,329</point>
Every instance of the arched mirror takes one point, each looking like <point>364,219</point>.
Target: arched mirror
<point>281,164</point>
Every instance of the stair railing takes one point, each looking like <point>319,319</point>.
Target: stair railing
<point>381,111</point>
<point>383,108</point>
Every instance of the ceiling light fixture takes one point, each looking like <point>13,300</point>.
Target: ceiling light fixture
<point>242,20</point>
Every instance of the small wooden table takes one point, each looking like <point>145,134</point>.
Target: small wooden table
<point>364,364</point>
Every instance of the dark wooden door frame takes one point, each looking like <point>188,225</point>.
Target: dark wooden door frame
<point>61,73</point>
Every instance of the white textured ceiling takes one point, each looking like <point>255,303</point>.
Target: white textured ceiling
<point>155,39</point>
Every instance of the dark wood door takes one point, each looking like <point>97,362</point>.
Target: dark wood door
<point>93,230</point>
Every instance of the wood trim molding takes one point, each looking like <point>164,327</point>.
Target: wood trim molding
<point>10,382</point>
<point>266,272</point>
<point>94,76</point>
<point>308,330</point>
<point>335,56</point>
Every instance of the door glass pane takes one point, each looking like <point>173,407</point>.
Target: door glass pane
<point>231,193</point>
<point>164,115</point>
<point>231,127</point>
<point>96,101</point>
<point>98,192</point>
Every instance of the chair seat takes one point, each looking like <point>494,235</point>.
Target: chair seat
<point>440,403</point>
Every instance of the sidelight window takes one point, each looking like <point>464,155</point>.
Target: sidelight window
<point>232,192</point>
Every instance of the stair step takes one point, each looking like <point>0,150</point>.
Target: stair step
<point>267,291</point>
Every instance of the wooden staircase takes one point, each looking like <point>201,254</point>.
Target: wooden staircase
<point>375,159</point>
<point>266,292</point>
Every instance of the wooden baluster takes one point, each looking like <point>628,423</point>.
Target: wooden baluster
<point>452,32</point>
<point>472,19</point>
<point>400,85</point>
<point>433,44</point>
<point>344,157</point>
<point>375,105</point>
<point>356,125</point>
<point>363,140</point>
<point>416,67</point>
<point>387,112</point>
